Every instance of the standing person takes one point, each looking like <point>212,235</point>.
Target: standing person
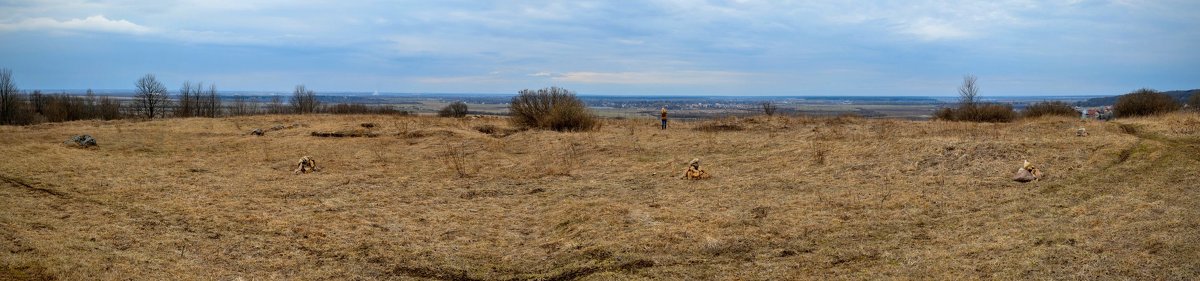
<point>664,118</point>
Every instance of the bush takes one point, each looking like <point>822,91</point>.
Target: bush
<point>551,108</point>
<point>769,108</point>
<point>1144,102</point>
<point>454,109</point>
<point>358,108</point>
<point>1051,108</point>
<point>970,109</point>
<point>944,113</point>
<point>1194,101</point>
<point>989,112</point>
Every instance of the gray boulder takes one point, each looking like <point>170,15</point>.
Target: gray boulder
<point>82,141</point>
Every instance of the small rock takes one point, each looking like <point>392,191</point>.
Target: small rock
<point>257,132</point>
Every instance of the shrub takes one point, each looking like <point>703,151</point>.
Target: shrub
<point>454,109</point>
<point>944,113</point>
<point>980,112</point>
<point>769,108</point>
<point>359,108</point>
<point>551,108</point>
<point>1050,108</point>
<point>970,109</point>
<point>1144,102</point>
<point>1194,101</point>
<point>994,113</point>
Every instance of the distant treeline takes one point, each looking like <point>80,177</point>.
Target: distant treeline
<point>1179,96</point>
<point>152,100</point>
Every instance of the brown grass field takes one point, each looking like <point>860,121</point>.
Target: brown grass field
<point>434,198</point>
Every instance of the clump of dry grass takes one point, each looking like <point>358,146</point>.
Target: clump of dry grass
<point>823,197</point>
<point>351,133</point>
<point>720,125</point>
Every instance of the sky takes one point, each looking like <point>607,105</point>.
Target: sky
<point>663,47</point>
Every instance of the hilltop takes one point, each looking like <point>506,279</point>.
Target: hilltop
<point>475,199</point>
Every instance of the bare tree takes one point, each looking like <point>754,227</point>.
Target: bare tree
<point>769,108</point>
<point>241,107</point>
<point>9,97</point>
<point>109,108</point>
<point>185,106</point>
<point>90,103</point>
<point>150,98</point>
<point>212,102</point>
<point>38,101</point>
<point>304,101</point>
<point>276,106</point>
<point>968,91</point>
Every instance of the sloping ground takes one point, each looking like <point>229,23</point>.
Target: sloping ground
<point>792,198</point>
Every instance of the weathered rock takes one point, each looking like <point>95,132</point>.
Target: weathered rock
<point>257,132</point>
<point>1027,173</point>
<point>82,141</point>
<point>1023,175</point>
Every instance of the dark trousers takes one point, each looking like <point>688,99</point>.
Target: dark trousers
<point>664,124</point>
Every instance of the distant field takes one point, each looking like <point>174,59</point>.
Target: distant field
<point>437,199</point>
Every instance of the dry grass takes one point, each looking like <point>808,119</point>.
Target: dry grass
<point>791,198</point>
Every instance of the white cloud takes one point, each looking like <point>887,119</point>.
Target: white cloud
<point>929,29</point>
<point>672,77</point>
<point>96,23</point>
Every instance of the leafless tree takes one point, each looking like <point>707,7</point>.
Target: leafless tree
<point>241,107</point>
<point>769,108</point>
<point>276,106</point>
<point>109,108</point>
<point>90,102</point>
<point>212,102</point>
<point>304,101</point>
<point>9,97</point>
<point>150,98</point>
<point>38,102</point>
<point>969,91</point>
<point>185,106</point>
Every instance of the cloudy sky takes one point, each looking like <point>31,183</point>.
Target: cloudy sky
<point>734,47</point>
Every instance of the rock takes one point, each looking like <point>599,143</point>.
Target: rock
<point>1023,175</point>
<point>82,141</point>
<point>257,132</point>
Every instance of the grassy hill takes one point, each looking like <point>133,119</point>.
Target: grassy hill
<point>429,198</point>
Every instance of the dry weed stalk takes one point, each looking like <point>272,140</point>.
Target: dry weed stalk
<point>455,159</point>
<point>566,163</point>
